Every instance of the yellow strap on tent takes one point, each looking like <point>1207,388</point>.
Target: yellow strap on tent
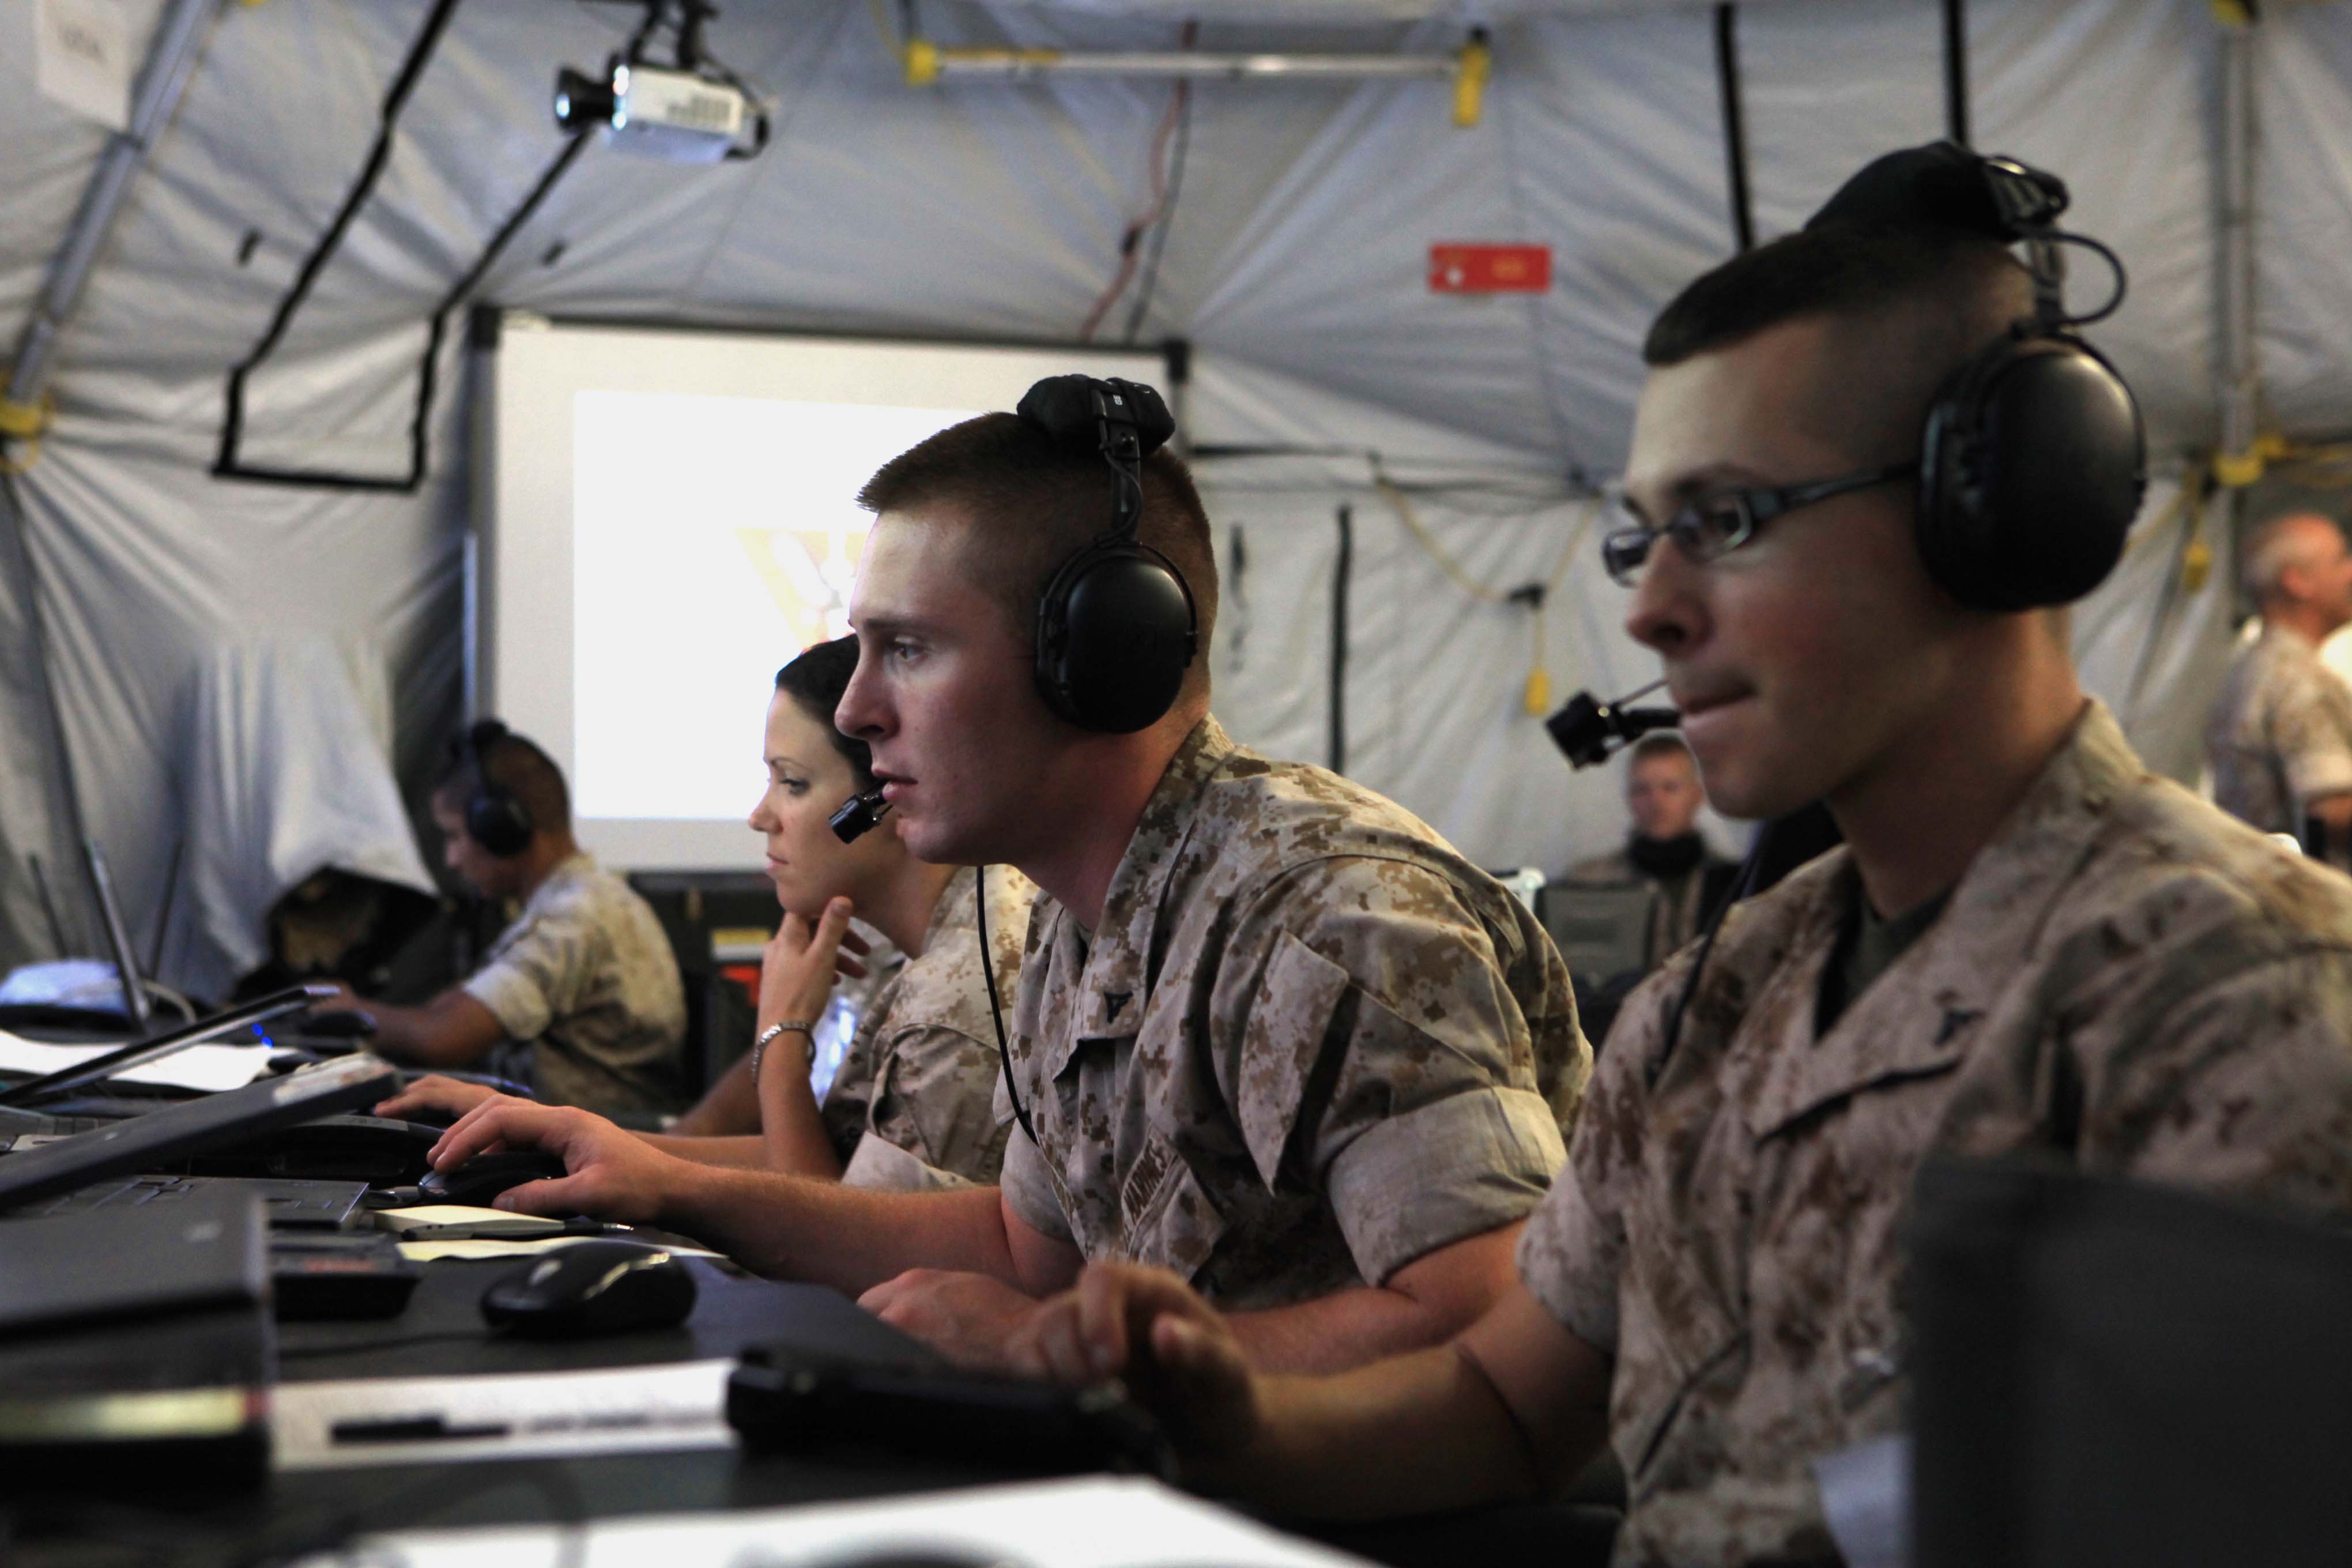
<point>25,422</point>
<point>2236,470</point>
<point>922,58</point>
<point>1472,67</point>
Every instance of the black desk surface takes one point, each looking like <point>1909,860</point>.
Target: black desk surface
<point>301,1511</point>
<point>317,1508</point>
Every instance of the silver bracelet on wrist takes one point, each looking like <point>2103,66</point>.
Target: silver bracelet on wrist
<point>767,1036</point>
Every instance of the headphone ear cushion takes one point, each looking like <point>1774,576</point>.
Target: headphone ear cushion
<point>499,822</point>
<point>2031,469</point>
<point>1115,635</point>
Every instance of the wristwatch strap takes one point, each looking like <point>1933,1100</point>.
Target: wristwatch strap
<point>767,1037</point>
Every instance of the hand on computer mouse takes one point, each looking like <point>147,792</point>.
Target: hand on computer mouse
<point>613,1174</point>
<point>1176,1353</point>
<point>481,1181</point>
<point>432,1092</point>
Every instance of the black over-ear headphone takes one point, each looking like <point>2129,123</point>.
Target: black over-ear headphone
<point>495,818</point>
<point>1116,625</point>
<point>2033,461</point>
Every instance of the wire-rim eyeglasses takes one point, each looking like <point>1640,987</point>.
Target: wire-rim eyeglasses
<point>1718,524</point>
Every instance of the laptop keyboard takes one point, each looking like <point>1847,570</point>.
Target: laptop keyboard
<point>323,1204</point>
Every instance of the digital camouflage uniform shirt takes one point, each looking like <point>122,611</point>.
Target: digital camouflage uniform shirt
<point>1309,1044</point>
<point>584,983</point>
<point>2281,733</point>
<point>2123,974</point>
<point>913,1107</point>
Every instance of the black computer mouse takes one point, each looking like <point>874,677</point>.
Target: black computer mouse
<point>336,1024</point>
<point>593,1287</point>
<point>484,1177</point>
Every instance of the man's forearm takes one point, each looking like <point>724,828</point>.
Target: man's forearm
<point>420,1036</point>
<point>1333,1333</point>
<point>1410,1435</point>
<point>797,1228</point>
<point>739,1152</point>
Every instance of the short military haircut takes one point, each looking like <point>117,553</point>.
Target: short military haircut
<point>1030,503</point>
<point>518,767</point>
<point>1661,744</point>
<point>2283,543</point>
<point>815,681</point>
<point>1920,303</point>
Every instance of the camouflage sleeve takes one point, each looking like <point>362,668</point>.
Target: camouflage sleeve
<point>1574,1246</point>
<point>848,1103</point>
<point>1364,1030</point>
<point>879,1165</point>
<point>2308,730</point>
<point>2243,1087</point>
<point>1028,1182</point>
<point>938,1101</point>
<point>541,974</point>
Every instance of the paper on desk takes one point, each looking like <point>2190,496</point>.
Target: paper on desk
<point>208,1068</point>
<point>480,1247</point>
<point>1098,1522</point>
<point>614,1410</point>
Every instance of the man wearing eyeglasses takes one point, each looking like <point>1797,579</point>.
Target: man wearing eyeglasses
<point>2027,943</point>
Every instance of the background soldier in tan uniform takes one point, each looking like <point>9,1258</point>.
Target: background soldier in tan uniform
<point>1663,848</point>
<point>2098,966</point>
<point>580,995</point>
<point>1270,1029</point>
<point>912,1106</point>
<point>2280,739</point>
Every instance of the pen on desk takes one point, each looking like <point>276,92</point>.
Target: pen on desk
<point>413,1429</point>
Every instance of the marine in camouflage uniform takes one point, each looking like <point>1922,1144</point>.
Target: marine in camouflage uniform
<point>2281,733</point>
<point>2123,976</point>
<point>1309,1044</point>
<point>912,1108</point>
<point>587,990</point>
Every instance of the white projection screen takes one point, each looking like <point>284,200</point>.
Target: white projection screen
<point>666,516</point>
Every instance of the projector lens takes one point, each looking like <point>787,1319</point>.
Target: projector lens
<point>582,101</point>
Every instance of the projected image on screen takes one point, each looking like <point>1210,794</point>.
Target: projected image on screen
<point>672,513</point>
<point>696,575</point>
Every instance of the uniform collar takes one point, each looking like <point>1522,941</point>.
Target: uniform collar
<point>2275,632</point>
<point>1118,960</point>
<point>1923,1012</point>
<point>954,909</point>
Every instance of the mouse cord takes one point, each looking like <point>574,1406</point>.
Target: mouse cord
<point>996,1010</point>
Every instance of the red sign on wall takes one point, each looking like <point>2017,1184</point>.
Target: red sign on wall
<point>1489,269</point>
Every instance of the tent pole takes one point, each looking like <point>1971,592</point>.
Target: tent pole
<point>160,82</point>
<point>2239,462</point>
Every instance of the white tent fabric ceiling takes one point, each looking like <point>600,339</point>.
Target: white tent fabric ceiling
<point>1293,263</point>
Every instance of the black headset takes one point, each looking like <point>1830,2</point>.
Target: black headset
<point>1116,625</point>
<point>495,818</point>
<point>2032,460</point>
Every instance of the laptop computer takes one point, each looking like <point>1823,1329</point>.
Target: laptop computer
<point>135,1002</point>
<point>1602,928</point>
<point>287,1203</point>
<point>260,1010</point>
<point>144,1143</point>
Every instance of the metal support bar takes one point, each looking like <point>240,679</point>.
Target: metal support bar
<point>2240,460</point>
<point>160,82</point>
<point>1468,68</point>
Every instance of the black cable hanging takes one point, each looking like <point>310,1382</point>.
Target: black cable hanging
<point>1735,124</point>
<point>1956,71</point>
<point>1342,569</point>
<point>230,463</point>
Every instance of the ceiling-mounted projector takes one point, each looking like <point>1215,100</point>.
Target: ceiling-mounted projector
<point>680,115</point>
